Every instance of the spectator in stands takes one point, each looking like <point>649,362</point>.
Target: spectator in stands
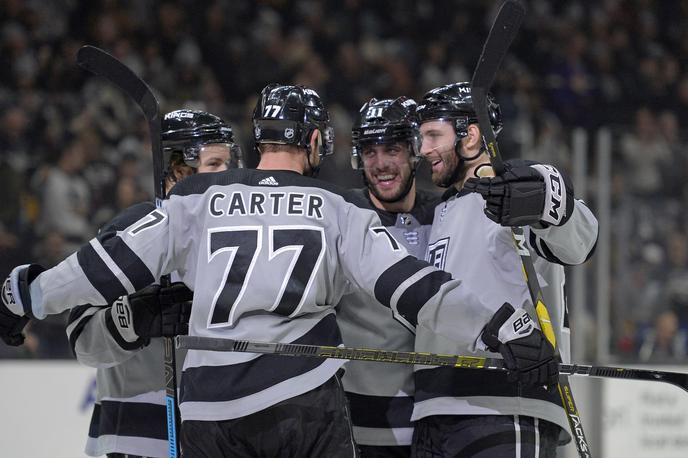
<point>646,153</point>
<point>66,199</point>
<point>665,341</point>
<point>600,61</point>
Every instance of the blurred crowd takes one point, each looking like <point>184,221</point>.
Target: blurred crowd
<point>74,152</point>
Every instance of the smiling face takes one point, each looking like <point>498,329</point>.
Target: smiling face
<point>388,170</point>
<point>438,149</point>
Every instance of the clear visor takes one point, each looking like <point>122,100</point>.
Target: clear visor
<point>448,141</point>
<point>214,157</point>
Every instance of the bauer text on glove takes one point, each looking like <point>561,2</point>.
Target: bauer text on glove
<point>526,352</point>
<point>154,311</point>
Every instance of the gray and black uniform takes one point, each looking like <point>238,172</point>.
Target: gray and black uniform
<point>381,395</point>
<point>268,255</point>
<point>129,415</point>
<point>482,253</point>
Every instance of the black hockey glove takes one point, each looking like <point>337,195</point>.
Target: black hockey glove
<point>153,311</point>
<point>526,195</point>
<point>16,303</point>
<point>526,352</point>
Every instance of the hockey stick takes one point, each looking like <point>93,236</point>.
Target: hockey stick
<point>100,63</point>
<point>501,35</point>
<point>409,357</point>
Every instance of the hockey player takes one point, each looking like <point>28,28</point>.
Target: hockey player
<point>268,254</point>
<point>386,149</point>
<point>483,414</point>
<point>122,340</point>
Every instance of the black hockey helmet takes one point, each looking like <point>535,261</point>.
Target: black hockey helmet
<point>453,102</point>
<point>288,115</point>
<point>385,121</point>
<point>186,131</point>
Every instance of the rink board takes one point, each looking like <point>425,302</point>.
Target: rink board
<point>45,408</point>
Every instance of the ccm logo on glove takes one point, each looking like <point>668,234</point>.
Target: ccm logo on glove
<point>554,194</point>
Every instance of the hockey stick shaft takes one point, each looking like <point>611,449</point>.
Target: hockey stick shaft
<point>409,357</point>
<point>501,35</point>
<point>100,63</point>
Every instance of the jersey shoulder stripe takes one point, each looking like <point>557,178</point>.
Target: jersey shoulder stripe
<point>99,274</point>
<point>97,271</point>
<point>419,293</point>
<point>125,258</point>
<point>244,379</point>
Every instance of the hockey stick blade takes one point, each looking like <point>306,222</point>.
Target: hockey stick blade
<point>502,33</point>
<point>409,357</point>
<point>678,379</point>
<point>101,63</point>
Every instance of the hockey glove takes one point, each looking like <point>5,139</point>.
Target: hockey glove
<point>526,352</point>
<point>526,195</point>
<point>153,311</point>
<point>16,303</point>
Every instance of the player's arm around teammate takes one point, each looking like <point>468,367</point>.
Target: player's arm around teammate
<point>198,232</point>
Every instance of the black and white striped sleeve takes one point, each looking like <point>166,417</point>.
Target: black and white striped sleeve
<point>417,292</point>
<point>114,264</point>
<point>407,285</point>
<point>93,340</point>
<point>571,243</point>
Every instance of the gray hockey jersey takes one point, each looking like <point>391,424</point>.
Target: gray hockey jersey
<point>466,243</point>
<point>268,255</point>
<point>381,395</point>
<point>129,415</point>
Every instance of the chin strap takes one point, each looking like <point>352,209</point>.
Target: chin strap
<point>459,172</point>
<point>314,170</point>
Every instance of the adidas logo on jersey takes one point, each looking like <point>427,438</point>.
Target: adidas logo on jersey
<point>269,181</point>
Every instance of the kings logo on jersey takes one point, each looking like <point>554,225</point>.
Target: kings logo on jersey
<point>437,251</point>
